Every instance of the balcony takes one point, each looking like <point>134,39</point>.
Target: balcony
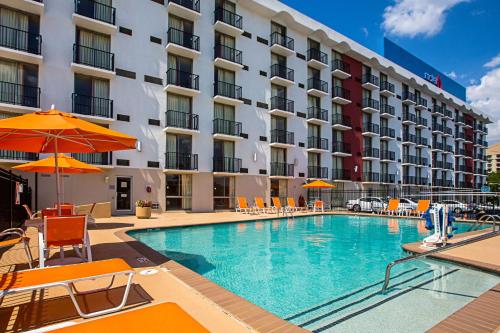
<point>317,144</point>
<point>282,44</point>
<point>370,82</point>
<point>409,180</point>
<point>341,122</point>
<point>189,9</point>
<point>282,107</point>
<point>409,98</point>
<point>317,59</point>
<point>19,98</point>
<point>387,133</point>
<point>95,16</point>
<point>370,105</point>
<point>282,139</point>
<point>461,168</point>
<point>481,128</point>
<point>409,118</point>
<point>181,122</point>
<point>448,114</point>
<point>371,153</point>
<point>437,164</point>
<point>35,7</point>
<point>227,129</point>
<point>447,131</point>
<point>90,106</point>
<point>227,93</point>
<point>282,75</point>
<point>388,178</point>
<point>317,87</point>
<point>183,43</point>
<point>370,129</point>
<point>226,165</point>
<point>20,45</point>
<point>341,175</point>
<point>421,122</point>
<point>17,156</point>
<point>442,183</point>
<point>437,145</point>
<point>460,152</point>
<point>317,115</point>
<point>448,166</point>
<point>437,110</point>
<point>228,58</point>
<point>409,159</point>
<point>422,181</point>
<point>437,128</point>
<point>341,69</point>
<point>371,177</point>
<point>421,103</point>
<point>409,139</point>
<point>387,156</point>
<point>93,62</point>
<point>341,148</point>
<point>448,149</point>
<point>282,170</point>
<point>421,141</point>
<point>317,172</point>
<point>387,111</point>
<point>468,138</point>
<point>181,162</point>
<point>341,95</point>
<point>228,22</point>
<point>101,159</point>
<point>182,83</point>
<point>459,120</point>
<point>387,89</point>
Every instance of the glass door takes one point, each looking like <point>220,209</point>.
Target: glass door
<point>123,193</point>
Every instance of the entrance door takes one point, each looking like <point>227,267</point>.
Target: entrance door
<point>123,193</point>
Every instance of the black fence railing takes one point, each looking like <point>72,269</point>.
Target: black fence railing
<point>12,213</point>
<point>372,177</point>
<point>17,155</point>
<point>181,161</point>
<point>387,132</point>
<point>227,164</point>
<point>421,121</point>
<point>227,127</point>
<point>407,137</point>
<point>387,155</point>
<point>228,17</point>
<point>226,89</point>
<point>93,57</point>
<point>283,137</point>
<point>409,117</point>
<point>338,119</point>
<point>371,103</point>
<point>341,174</point>
<point>228,53</point>
<point>371,128</point>
<point>92,106</point>
<point>96,10</point>
<point>421,141</point>
<point>422,102</point>
<point>341,93</point>
<point>316,142</point>
<point>340,65</point>
<point>20,40</point>
<point>282,104</point>
<point>182,120</point>
<point>387,86</point>
<point>18,94</point>
<point>283,40</point>
<point>183,79</point>
<point>183,38</point>
<point>409,159</point>
<point>422,161</point>
<point>409,96</point>
<point>282,72</point>
<point>341,147</point>
<point>317,84</point>
<point>370,79</point>
<point>282,169</point>
<point>387,109</point>
<point>105,158</point>
<point>371,152</point>
<point>315,112</point>
<point>315,54</point>
<point>388,178</point>
<point>314,171</point>
<point>189,4</point>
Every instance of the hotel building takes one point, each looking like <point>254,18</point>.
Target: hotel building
<point>229,98</point>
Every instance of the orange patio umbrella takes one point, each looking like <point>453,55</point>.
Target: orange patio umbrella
<point>54,131</point>
<point>319,184</point>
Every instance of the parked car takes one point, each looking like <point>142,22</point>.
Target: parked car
<point>407,204</point>
<point>458,207</point>
<point>366,204</point>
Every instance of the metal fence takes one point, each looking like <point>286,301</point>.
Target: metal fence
<point>12,214</point>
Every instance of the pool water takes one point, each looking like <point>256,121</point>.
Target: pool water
<point>324,272</point>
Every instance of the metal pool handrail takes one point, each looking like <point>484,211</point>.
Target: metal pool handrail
<point>485,218</point>
<point>433,251</point>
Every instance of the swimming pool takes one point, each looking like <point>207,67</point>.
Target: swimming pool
<point>324,272</point>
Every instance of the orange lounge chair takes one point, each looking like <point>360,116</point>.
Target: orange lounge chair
<point>422,207</point>
<point>260,206</point>
<point>242,205</point>
<point>67,277</point>
<point>318,205</point>
<point>392,207</point>
<point>292,206</point>
<point>277,207</point>
<point>162,317</point>
<point>19,237</point>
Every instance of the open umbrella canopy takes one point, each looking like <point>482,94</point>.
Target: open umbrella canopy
<point>56,131</point>
<point>66,165</point>
<point>319,184</point>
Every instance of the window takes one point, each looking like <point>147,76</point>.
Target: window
<point>223,192</point>
<point>279,188</point>
<point>18,83</point>
<point>178,192</point>
<point>91,96</point>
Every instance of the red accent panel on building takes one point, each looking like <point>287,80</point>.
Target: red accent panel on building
<point>469,133</point>
<point>353,110</point>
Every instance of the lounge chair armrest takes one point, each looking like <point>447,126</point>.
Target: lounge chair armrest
<point>13,231</point>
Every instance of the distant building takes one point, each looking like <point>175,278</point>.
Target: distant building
<point>493,158</point>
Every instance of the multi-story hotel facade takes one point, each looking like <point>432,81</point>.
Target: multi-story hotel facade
<point>229,98</point>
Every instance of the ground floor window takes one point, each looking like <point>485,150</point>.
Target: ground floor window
<point>179,192</point>
<point>279,188</point>
<point>224,192</point>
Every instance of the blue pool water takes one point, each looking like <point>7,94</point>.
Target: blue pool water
<point>323,272</point>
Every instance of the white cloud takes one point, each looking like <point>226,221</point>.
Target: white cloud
<point>365,31</point>
<point>452,74</point>
<point>494,62</point>
<point>485,98</point>
<point>410,18</point>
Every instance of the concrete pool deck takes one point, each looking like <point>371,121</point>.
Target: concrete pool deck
<point>213,306</point>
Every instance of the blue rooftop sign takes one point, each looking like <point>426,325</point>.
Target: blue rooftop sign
<point>400,56</point>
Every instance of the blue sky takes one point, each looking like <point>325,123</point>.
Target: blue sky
<point>461,37</point>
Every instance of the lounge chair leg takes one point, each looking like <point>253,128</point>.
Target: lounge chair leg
<point>28,253</point>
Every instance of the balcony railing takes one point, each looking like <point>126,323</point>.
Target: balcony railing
<point>438,109</point>
<point>448,148</point>
<point>228,17</point>
<point>422,161</point>
<point>388,178</point>
<point>315,54</point>
<point>20,40</point>
<point>316,142</point>
<point>410,159</point>
<point>341,66</point>
<point>386,85</point>
<point>314,171</point>
<point>93,57</point>
<point>181,161</point>
<point>282,104</point>
<point>341,92</point>
<point>437,127</point>
<point>422,101</point>
<point>314,83</point>
<point>228,53</point>
<point>438,164</point>
<point>371,127</point>
<point>448,166</point>
<point>421,141</point>
<point>408,116</point>
<point>281,136</point>
<point>407,137</point>
<point>371,103</point>
<point>387,109</point>
<point>460,151</point>
<point>442,183</point>
<point>338,119</point>
<point>341,174</point>
<point>183,38</point>
<point>438,145</point>
<point>448,113</point>
<point>314,112</point>
<point>227,127</point>
<point>387,132</point>
<point>421,181</point>
<point>421,121</point>
<point>388,155</point>
<point>341,147</point>
<point>182,120</point>
<point>183,79</point>
<point>283,40</point>
<point>460,119</point>
<point>282,72</point>
<point>447,130</point>
<point>373,177</point>
<point>371,152</point>
<point>189,4</point>
<point>226,89</point>
<point>409,96</point>
<point>104,158</point>
<point>282,169</point>
<point>17,155</point>
<point>95,10</point>
<point>18,94</point>
<point>227,164</point>
<point>92,106</point>
<point>369,78</point>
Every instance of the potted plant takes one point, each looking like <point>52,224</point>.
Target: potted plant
<point>143,209</point>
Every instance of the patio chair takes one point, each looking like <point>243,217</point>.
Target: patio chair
<point>19,237</point>
<point>164,317</point>
<point>61,231</point>
<point>392,208</point>
<point>66,209</point>
<point>292,206</point>
<point>48,212</point>
<point>67,277</point>
<point>422,207</point>
<point>242,205</point>
<point>277,207</point>
<point>30,213</point>
<point>318,205</point>
<point>260,207</point>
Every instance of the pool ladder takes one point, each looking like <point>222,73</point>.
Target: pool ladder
<point>493,218</point>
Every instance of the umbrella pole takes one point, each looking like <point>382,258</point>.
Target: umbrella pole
<point>57,178</point>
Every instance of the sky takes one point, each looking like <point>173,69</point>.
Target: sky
<point>458,37</point>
